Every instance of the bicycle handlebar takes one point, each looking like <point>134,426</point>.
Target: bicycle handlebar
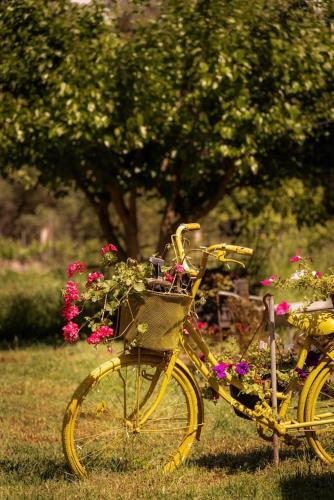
<point>222,248</point>
<point>231,249</point>
<point>192,226</point>
<point>178,246</point>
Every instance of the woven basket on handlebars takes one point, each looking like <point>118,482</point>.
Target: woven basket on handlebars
<point>163,313</point>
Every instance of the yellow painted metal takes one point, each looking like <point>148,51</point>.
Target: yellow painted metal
<point>306,389</point>
<point>317,440</point>
<point>314,323</point>
<point>292,385</point>
<point>184,382</point>
<point>262,412</point>
<point>179,248</point>
<point>166,378</point>
<point>308,423</point>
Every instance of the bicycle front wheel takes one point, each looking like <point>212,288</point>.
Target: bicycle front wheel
<point>319,407</point>
<point>104,426</point>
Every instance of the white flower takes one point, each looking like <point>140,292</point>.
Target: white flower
<point>298,274</point>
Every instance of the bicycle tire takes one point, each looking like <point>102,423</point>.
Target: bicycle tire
<point>98,428</point>
<point>319,405</point>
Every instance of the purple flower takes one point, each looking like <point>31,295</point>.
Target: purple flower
<point>242,368</point>
<point>312,359</point>
<point>220,370</point>
<point>202,357</point>
<point>301,373</point>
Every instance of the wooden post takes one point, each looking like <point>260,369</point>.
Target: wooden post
<point>269,302</point>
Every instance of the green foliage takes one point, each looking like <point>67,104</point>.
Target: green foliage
<point>107,295</point>
<point>231,92</point>
<point>30,307</point>
<point>312,285</point>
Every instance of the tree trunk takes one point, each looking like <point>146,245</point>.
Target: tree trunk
<point>129,219</point>
<point>101,207</point>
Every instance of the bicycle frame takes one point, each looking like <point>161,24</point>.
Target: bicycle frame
<point>262,414</point>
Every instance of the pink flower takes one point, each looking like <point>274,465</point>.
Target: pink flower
<point>179,268</point>
<point>282,308</point>
<point>169,277</point>
<point>269,281</point>
<point>201,325</point>
<point>71,292</point>
<point>104,331</point>
<point>100,334</point>
<point>75,267</point>
<point>70,332</point>
<point>317,274</point>
<point>295,258</point>
<point>93,339</point>
<point>109,247</point>
<point>185,331</point>
<point>70,312</point>
<point>93,277</point>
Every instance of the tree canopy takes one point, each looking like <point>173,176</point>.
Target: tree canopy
<point>188,100</point>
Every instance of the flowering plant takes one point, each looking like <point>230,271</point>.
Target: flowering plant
<point>91,300</point>
<point>255,373</point>
<point>314,284</point>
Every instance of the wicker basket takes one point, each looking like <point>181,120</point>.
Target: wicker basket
<point>164,314</point>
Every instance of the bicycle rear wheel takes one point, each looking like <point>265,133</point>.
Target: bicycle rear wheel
<point>319,407</point>
<point>102,427</point>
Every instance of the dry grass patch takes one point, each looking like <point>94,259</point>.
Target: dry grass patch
<point>230,461</point>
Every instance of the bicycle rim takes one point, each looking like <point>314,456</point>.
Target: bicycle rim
<point>320,407</point>
<point>102,427</point>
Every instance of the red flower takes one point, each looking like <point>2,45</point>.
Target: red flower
<point>201,325</point>
<point>71,292</point>
<point>75,267</point>
<point>70,312</point>
<point>169,277</point>
<point>109,247</point>
<point>70,332</point>
<point>93,277</point>
<point>100,334</point>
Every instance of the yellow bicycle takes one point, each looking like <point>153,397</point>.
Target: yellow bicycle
<point>144,408</point>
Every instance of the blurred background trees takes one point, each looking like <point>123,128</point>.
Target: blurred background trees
<point>189,101</point>
<point>122,119</point>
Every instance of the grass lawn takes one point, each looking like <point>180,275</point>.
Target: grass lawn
<point>231,461</point>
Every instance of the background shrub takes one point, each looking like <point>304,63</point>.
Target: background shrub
<point>30,306</point>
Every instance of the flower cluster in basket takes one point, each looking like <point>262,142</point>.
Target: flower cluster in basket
<point>91,299</point>
<point>254,371</point>
<point>314,284</point>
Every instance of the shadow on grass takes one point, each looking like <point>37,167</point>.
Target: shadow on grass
<point>249,461</point>
<point>27,470</point>
<point>308,486</point>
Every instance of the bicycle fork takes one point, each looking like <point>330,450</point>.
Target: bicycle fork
<point>166,372</point>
